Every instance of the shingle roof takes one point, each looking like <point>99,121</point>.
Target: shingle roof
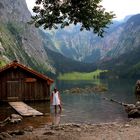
<point>15,63</point>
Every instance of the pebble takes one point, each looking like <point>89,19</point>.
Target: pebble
<point>49,133</point>
<point>29,129</point>
<point>5,135</point>
<point>17,132</point>
<point>127,125</point>
<point>78,129</point>
<point>1,137</point>
<point>76,125</point>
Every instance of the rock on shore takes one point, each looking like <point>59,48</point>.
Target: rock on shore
<point>133,110</point>
<point>110,131</point>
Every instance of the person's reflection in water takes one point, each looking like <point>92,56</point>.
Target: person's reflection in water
<point>56,118</point>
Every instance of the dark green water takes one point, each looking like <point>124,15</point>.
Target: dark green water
<point>80,108</point>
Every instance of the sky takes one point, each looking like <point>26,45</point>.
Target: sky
<point>121,8</point>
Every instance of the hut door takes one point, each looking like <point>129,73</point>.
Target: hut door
<point>13,90</point>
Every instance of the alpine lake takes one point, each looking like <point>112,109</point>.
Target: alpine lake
<point>81,107</point>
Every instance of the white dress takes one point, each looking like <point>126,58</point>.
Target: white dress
<point>55,100</point>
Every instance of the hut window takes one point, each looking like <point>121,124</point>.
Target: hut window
<point>30,80</point>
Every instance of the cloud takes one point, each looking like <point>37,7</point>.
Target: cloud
<point>122,8</point>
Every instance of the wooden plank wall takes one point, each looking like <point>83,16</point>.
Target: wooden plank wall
<point>38,90</point>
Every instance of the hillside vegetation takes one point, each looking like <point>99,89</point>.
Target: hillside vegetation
<point>2,63</point>
<point>81,76</point>
<point>127,64</point>
<point>20,41</point>
<point>67,65</point>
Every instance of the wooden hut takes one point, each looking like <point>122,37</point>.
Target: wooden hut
<point>18,82</point>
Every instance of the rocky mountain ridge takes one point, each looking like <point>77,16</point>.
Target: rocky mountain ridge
<point>21,41</point>
<point>83,46</point>
<point>124,57</point>
<point>129,37</point>
<point>117,52</point>
<point>87,47</point>
<point>18,39</point>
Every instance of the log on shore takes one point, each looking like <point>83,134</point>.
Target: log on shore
<point>133,110</point>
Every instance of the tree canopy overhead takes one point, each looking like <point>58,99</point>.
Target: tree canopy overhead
<point>60,13</point>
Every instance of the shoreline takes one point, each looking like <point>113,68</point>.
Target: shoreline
<point>73,131</point>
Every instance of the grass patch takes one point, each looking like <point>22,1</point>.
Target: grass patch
<point>81,76</point>
<point>2,63</point>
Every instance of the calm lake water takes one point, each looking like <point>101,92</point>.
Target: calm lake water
<point>92,107</point>
<point>80,108</point>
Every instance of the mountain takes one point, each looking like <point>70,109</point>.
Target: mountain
<point>125,55</point>
<point>83,46</point>
<point>65,65</point>
<point>25,43</point>
<point>129,37</point>
<point>59,51</point>
<point>126,65</point>
<point>118,51</point>
<point>88,47</point>
<point>19,40</point>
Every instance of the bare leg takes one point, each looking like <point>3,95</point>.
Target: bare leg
<point>55,109</point>
<point>60,107</point>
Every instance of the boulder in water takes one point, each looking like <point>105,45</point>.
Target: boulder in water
<point>129,107</point>
<point>134,113</point>
<point>15,118</point>
<point>137,87</point>
<point>138,104</point>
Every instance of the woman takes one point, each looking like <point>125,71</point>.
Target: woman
<point>55,100</point>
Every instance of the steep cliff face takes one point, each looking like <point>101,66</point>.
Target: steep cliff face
<point>18,39</point>
<point>14,10</point>
<point>120,38</point>
<point>118,51</point>
<point>84,46</point>
<point>125,55</point>
<point>129,38</point>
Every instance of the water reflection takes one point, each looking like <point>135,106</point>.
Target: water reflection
<point>56,118</point>
<point>35,121</point>
<point>91,107</point>
<point>79,107</point>
<point>5,111</point>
